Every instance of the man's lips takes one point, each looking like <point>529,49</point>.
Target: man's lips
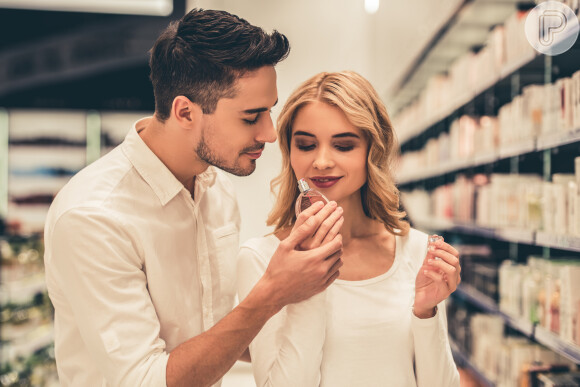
<point>255,154</point>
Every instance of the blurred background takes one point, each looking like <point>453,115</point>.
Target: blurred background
<point>489,130</point>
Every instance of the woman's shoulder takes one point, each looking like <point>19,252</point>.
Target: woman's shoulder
<point>262,247</point>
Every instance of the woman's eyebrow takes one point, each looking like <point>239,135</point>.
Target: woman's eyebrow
<point>346,134</point>
<point>302,133</point>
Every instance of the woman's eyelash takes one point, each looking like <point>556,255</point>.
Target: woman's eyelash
<point>345,148</point>
<point>305,147</point>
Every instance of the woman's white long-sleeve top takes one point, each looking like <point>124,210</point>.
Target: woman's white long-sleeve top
<point>356,333</point>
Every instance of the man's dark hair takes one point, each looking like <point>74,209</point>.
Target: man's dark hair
<point>203,54</point>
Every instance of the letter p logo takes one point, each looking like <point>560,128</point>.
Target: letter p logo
<point>552,28</point>
<point>552,21</point>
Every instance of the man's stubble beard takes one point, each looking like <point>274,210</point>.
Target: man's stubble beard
<point>205,153</point>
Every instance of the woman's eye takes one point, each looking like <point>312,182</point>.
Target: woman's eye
<point>345,148</point>
<point>305,148</point>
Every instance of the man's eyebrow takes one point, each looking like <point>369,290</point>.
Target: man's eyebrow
<point>258,110</point>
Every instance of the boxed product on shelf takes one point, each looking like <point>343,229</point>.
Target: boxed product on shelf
<point>517,45</point>
<point>543,291</point>
<point>568,379</point>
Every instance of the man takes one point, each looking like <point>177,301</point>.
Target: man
<point>141,245</point>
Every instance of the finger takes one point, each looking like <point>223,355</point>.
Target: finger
<point>446,257</point>
<point>434,275</point>
<point>447,273</point>
<point>331,279</point>
<point>441,244</point>
<point>310,220</point>
<point>446,268</point>
<point>307,213</point>
<point>326,226</point>
<point>327,250</point>
<point>334,230</point>
<point>334,264</point>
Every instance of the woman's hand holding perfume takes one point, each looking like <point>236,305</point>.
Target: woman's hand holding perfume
<point>437,278</point>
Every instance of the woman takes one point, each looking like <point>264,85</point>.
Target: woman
<point>383,321</point>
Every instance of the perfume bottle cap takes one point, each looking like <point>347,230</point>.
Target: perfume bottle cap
<point>303,185</point>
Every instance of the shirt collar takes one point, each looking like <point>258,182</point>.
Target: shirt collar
<point>155,173</point>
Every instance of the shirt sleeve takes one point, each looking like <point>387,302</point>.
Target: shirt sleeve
<point>434,364</point>
<point>288,350</point>
<point>96,263</point>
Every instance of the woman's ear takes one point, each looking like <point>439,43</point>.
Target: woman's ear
<point>185,112</point>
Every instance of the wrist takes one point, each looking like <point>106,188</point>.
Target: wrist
<point>425,313</point>
<point>261,300</point>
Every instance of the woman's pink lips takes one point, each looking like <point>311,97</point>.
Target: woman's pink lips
<point>324,182</point>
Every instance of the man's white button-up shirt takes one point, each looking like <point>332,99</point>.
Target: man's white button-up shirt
<point>135,266</point>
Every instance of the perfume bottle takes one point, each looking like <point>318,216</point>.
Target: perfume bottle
<point>307,197</point>
<point>434,238</point>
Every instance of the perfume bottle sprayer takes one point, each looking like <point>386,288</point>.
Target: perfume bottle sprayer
<point>307,197</point>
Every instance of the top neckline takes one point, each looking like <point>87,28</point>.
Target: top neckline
<point>367,281</point>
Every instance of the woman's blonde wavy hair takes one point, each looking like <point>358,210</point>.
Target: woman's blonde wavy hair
<point>359,101</point>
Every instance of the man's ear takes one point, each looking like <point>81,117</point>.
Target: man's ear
<point>185,112</point>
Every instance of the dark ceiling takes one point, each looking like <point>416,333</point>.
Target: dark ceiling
<point>76,60</point>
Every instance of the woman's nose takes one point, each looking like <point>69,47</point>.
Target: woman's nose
<point>323,160</point>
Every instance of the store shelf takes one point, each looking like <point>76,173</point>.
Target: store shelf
<point>532,145</point>
<point>463,360</point>
<point>528,329</point>
<point>564,242</point>
<point>552,341</point>
<point>527,146</point>
<point>524,327</point>
<point>477,298</point>
<point>467,97</point>
<point>537,238</point>
<point>557,139</point>
<point>516,235</point>
<point>472,229</point>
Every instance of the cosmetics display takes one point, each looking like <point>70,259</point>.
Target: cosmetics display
<point>546,292</point>
<point>27,353</point>
<point>498,357</point>
<point>517,201</point>
<point>45,149</point>
<point>540,114</point>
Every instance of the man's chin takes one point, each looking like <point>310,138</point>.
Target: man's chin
<point>239,171</point>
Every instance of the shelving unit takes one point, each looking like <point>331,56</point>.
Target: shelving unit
<point>526,328</point>
<point>536,238</point>
<point>463,361</point>
<point>50,146</point>
<point>533,145</point>
<point>540,154</point>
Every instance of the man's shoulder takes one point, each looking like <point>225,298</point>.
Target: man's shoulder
<point>92,185</point>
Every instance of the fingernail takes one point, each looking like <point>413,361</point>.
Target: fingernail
<point>432,247</point>
<point>434,238</point>
<point>332,203</point>
<point>430,260</point>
